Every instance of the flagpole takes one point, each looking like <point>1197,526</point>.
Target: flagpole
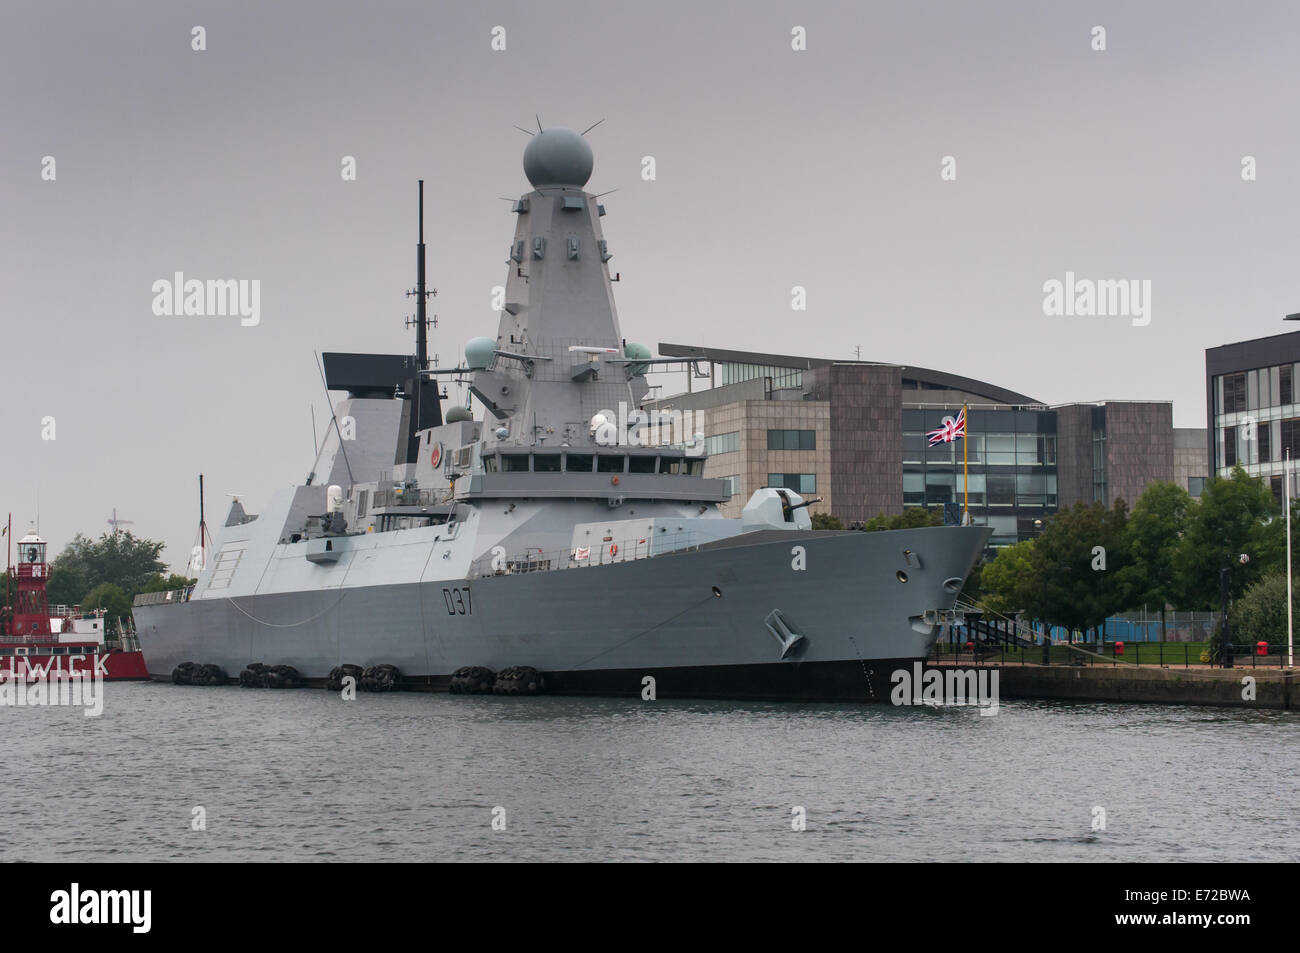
<point>965,466</point>
<point>1290,648</point>
<point>9,571</point>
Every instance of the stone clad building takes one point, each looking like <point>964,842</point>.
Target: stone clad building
<point>854,434</point>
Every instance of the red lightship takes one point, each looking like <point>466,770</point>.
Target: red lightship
<point>34,643</point>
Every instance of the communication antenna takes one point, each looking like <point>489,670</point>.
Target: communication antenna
<point>205,538</point>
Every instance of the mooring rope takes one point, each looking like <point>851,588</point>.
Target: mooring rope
<point>287,625</point>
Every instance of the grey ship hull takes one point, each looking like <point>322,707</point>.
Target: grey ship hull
<point>602,629</point>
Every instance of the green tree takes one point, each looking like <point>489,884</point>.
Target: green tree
<point>113,600</point>
<point>1260,614</point>
<point>1155,527</point>
<point>1082,562</point>
<point>67,584</point>
<point>161,583</point>
<point>1233,516</point>
<point>912,517</point>
<point>118,558</point>
<point>1008,578</point>
<point>826,521</point>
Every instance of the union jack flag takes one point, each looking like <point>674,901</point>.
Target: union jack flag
<point>950,431</point>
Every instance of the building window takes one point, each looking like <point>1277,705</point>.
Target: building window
<point>733,484</point>
<point>1234,393</point>
<point>1195,486</point>
<point>722,443</point>
<point>1262,434</point>
<point>1290,431</point>
<point>781,376</point>
<point>913,487</point>
<point>801,483</point>
<point>792,440</point>
<point>1230,445</point>
<point>1099,494</point>
<point>1284,384</point>
<point>1001,489</point>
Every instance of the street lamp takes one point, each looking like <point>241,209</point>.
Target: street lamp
<point>1225,634</point>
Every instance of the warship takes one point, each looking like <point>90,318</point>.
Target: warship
<point>567,540</point>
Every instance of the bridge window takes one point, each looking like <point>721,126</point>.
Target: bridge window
<point>611,463</point>
<point>546,463</point>
<point>641,465</point>
<point>577,462</point>
<point>514,463</point>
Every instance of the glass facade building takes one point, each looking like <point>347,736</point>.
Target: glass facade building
<point>1011,459</point>
<point>1256,420</point>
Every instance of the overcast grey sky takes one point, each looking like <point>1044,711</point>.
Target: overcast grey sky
<point>775,168</point>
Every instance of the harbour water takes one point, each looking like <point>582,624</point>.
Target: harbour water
<point>305,775</point>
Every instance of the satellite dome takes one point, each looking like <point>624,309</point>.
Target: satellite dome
<point>558,157</point>
<point>479,353</point>
<point>632,351</point>
<point>458,414</point>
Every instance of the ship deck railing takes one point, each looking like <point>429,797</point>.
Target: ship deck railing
<point>606,553</point>
<point>163,598</point>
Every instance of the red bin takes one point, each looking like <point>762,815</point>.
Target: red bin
<point>971,645</point>
<point>1119,648</point>
<point>1261,648</point>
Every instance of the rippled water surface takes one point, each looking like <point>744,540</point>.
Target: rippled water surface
<point>305,775</point>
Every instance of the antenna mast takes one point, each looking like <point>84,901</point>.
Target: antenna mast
<point>203,529</point>
<point>420,416</point>
<point>421,328</point>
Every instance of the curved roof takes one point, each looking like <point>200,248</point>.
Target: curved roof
<point>939,379</point>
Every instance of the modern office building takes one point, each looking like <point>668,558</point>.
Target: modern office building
<point>1252,406</point>
<point>854,434</point>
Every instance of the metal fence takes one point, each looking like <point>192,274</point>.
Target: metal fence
<point>1126,627</point>
<point>1159,654</point>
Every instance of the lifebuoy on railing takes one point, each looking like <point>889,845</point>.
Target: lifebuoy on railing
<point>613,549</point>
